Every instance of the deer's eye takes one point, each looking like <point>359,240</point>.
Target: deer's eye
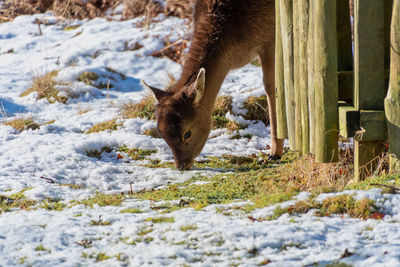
<point>187,135</point>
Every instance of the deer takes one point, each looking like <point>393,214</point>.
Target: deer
<point>228,34</point>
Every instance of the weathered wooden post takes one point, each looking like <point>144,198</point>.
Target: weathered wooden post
<point>368,84</point>
<point>296,64</point>
<point>326,82</point>
<point>286,13</point>
<point>310,68</point>
<point>392,100</point>
<point>303,20</point>
<point>279,77</point>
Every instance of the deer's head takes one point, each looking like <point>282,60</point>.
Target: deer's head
<point>182,121</point>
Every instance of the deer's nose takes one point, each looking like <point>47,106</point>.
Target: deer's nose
<point>180,166</point>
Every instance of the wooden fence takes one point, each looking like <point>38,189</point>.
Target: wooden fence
<point>331,78</point>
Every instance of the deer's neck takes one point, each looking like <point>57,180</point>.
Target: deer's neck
<point>216,71</point>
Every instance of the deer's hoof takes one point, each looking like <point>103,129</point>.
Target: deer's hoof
<point>274,157</point>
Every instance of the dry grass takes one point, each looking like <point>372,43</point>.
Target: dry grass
<point>329,176</point>
<point>88,77</point>
<point>257,109</point>
<point>110,125</point>
<point>81,9</point>
<point>337,205</point>
<point>148,8</point>
<point>45,86</point>
<point>82,110</point>
<point>223,105</point>
<point>174,51</point>
<point>179,8</point>
<point>144,109</point>
<point>153,132</point>
<point>21,124</point>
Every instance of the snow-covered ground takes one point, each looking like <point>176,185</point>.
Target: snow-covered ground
<point>57,152</point>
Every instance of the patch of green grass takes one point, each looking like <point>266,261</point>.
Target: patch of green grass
<point>70,28</point>
<point>144,231</point>
<point>144,109</point>
<point>52,204</point>
<point>161,219</point>
<point>97,257</point>
<point>99,222</point>
<point>45,86</point>
<point>383,181</point>
<point>230,162</point>
<point>73,186</point>
<point>188,227</point>
<point>102,200</point>
<point>238,136</point>
<point>42,248</point>
<point>131,210</point>
<point>17,200</point>
<point>110,125</point>
<point>137,153</point>
<point>22,260</point>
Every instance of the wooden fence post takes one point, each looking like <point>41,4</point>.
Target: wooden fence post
<point>297,86</point>
<point>303,20</point>
<point>369,90</point>
<point>279,77</point>
<point>326,82</point>
<point>392,100</point>
<point>311,63</point>
<point>286,12</point>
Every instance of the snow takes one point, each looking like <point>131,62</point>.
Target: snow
<point>57,152</point>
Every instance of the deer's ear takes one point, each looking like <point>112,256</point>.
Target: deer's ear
<point>155,92</point>
<point>199,86</point>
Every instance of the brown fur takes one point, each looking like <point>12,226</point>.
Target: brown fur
<point>227,34</point>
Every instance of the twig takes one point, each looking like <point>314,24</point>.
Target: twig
<point>38,23</point>
<point>47,179</point>
<point>131,190</point>
<point>169,46</point>
<point>108,89</point>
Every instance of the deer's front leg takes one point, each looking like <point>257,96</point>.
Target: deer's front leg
<point>268,67</point>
